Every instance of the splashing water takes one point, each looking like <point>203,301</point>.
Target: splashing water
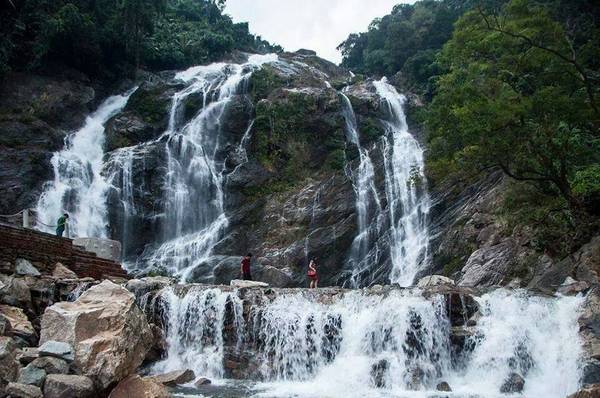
<point>394,344</point>
<point>368,207</point>
<point>194,330</point>
<point>78,186</point>
<point>408,201</point>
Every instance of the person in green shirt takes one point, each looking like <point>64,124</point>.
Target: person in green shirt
<point>60,224</point>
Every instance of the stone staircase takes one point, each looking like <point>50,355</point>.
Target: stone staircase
<point>45,250</point>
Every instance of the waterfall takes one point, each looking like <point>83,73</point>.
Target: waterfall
<point>194,218</point>
<point>194,327</point>
<point>78,187</point>
<point>396,343</point>
<point>405,188</point>
<point>368,207</point>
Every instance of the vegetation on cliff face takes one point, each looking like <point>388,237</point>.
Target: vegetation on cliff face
<point>109,38</point>
<point>510,85</point>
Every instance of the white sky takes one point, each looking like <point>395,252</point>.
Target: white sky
<point>319,25</point>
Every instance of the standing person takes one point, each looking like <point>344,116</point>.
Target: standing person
<point>60,224</point>
<point>312,274</point>
<point>245,267</point>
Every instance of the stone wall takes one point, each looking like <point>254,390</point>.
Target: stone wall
<point>45,250</point>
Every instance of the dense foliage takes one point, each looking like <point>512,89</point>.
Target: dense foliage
<point>110,38</point>
<point>510,86</point>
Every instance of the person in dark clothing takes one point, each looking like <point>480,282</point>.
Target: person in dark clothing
<point>60,224</point>
<point>245,267</point>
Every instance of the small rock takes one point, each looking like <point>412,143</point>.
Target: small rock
<point>24,267</point>
<point>591,391</point>
<point>51,365</point>
<point>571,287</point>
<point>434,280</point>
<point>9,366</point>
<point>62,272</point>
<point>514,383</point>
<point>72,386</point>
<point>18,390</point>
<point>203,381</point>
<point>378,373</point>
<point>415,378</point>
<point>27,355</point>
<point>247,284</point>
<point>32,375</point>
<point>14,292</point>
<point>57,349</point>
<point>174,378</point>
<point>19,323</point>
<point>443,386</point>
<point>135,386</point>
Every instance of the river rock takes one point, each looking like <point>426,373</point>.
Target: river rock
<point>109,333</point>
<point>19,390</point>
<point>174,378</point>
<point>488,266</point>
<point>241,284</point>
<point>62,272</point>
<point>72,386</point>
<point>51,365</point>
<point>9,366</point>
<point>434,280</point>
<point>19,323</point>
<point>57,349</point>
<point>202,381</point>
<point>135,386</point>
<point>514,383</point>
<point>443,386</point>
<point>379,372</point>
<point>24,267</point>
<point>571,287</point>
<point>32,375</point>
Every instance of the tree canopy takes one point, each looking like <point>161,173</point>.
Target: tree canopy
<point>110,38</point>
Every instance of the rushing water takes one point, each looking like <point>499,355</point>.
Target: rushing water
<point>194,218</point>
<point>401,226</point>
<point>78,187</point>
<point>379,345</point>
<point>405,188</point>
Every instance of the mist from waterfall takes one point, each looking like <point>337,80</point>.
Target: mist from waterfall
<point>394,344</point>
<point>79,187</point>
<point>405,188</point>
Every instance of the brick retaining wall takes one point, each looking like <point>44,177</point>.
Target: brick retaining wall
<point>45,250</point>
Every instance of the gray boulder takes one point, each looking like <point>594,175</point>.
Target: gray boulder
<point>14,291</point>
<point>72,386</point>
<point>57,349</point>
<point>24,267</point>
<point>32,375</point>
<point>51,365</point>
<point>434,280</point>
<point>443,386</point>
<point>174,378</point>
<point>19,390</point>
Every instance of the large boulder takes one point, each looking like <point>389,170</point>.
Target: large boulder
<point>135,386</point>
<point>108,332</point>
<point>72,386</point>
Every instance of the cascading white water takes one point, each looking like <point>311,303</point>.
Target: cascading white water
<point>78,187</point>
<point>194,330</point>
<point>368,206</point>
<point>408,201</point>
<point>194,218</point>
<point>394,344</point>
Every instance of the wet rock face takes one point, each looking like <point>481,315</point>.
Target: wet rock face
<point>37,113</point>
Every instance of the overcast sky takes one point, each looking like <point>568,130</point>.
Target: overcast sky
<point>318,25</point>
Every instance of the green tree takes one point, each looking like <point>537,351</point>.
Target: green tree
<point>520,95</point>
